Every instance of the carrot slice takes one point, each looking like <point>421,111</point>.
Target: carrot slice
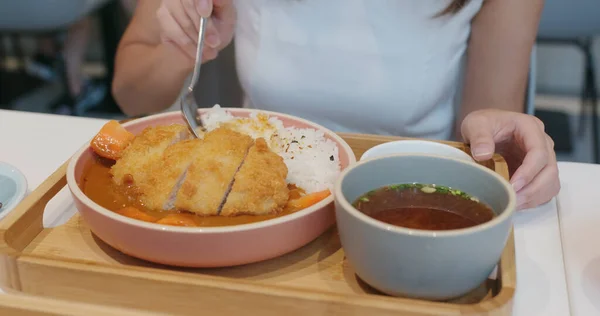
<point>309,199</point>
<point>111,140</point>
<point>134,213</point>
<point>178,220</point>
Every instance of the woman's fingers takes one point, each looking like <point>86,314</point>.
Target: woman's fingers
<point>538,191</point>
<point>477,131</point>
<point>544,186</point>
<point>212,37</point>
<point>181,17</point>
<point>224,17</point>
<point>172,32</point>
<point>522,139</point>
<point>192,12</point>
<point>204,7</point>
<point>209,54</point>
<point>532,138</point>
<point>180,23</point>
<point>224,10</point>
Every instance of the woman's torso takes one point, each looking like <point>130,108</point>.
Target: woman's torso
<point>370,66</point>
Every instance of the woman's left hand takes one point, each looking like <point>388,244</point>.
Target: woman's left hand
<point>522,141</point>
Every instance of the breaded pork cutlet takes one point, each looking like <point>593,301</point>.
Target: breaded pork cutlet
<point>259,188</point>
<point>209,177</point>
<point>145,150</point>
<point>164,177</point>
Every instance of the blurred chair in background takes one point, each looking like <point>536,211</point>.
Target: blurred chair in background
<point>574,23</point>
<point>80,93</point>
<point>63,29</point>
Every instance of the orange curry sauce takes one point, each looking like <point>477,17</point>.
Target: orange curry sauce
<point>98,186</point>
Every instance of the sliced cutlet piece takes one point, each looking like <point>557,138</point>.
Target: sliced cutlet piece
<point>146,149</point>
<point>259,187</point>
<point>165,177</point>
<point>209,177</point>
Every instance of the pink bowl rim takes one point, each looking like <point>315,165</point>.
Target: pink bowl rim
<point>74,187</point>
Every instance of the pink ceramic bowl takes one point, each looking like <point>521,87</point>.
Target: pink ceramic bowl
<point>204,247</point>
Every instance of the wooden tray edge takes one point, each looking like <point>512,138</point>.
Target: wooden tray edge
<point>24,223</point>
<point>26,218</point>
<point>24,304</point>
<point>220,289</point>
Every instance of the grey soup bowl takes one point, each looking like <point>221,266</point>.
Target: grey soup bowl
<point>432,265</point>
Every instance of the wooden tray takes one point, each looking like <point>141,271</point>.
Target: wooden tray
<point>69,263</point>
<point>24,304</point>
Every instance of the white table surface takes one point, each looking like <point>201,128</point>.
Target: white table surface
<point>579,214</point>
<point>37,144</point>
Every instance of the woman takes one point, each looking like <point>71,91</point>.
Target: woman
<point>376,66</point>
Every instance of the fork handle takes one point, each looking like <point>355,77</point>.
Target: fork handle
<point>198,54</point>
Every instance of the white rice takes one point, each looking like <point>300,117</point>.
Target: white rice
<point>312,159</point>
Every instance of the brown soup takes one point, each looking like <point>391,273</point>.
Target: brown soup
<point>426,207</point>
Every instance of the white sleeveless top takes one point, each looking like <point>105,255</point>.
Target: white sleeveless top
<point>369,66</point>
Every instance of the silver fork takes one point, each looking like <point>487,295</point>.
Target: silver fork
<point>188,104</point>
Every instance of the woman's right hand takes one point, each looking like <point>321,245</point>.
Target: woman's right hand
<point>180,22</point>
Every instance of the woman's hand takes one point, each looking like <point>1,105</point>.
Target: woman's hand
<point>521,139</point>
<point>180,21</point>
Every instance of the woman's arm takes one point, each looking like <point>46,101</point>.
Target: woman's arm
<point>502,36</point>
<point>157,51</point>
<point>149,73</point>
